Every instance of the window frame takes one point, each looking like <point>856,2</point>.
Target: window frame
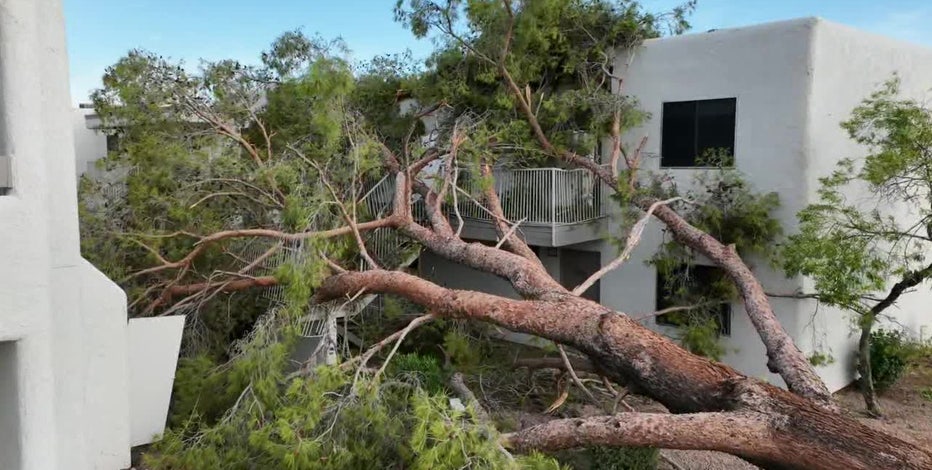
<point>695,125</point>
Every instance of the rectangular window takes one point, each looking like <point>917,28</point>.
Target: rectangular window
<point>694,131</point>
<point>113,143</point>
<point>698,286</point>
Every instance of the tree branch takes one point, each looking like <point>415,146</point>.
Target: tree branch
<point>209,240</point>
<point>698,431</point>
<point>633,238</point>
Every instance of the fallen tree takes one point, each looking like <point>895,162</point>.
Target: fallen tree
<point>713,406</point>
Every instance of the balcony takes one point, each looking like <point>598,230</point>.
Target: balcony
<point>556,207</point>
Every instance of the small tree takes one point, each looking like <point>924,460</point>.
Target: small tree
<point>853,247</point>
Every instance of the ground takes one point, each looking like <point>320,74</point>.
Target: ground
<point>906,407</point>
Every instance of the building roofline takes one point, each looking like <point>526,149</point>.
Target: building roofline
<point>808,22</point>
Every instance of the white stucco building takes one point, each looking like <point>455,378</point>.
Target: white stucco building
<point>67,352</point>
<point>775,93</point>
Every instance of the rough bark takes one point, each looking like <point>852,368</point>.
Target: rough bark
<point>774,427</point>
<point>784,358</point>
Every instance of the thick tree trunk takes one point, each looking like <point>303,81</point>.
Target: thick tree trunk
<point>783,357</point>
<point>725,410</point>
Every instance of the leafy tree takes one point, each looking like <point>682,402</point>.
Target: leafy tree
<point>510,81</point>
<point>856,247</point>
<point>227,148</point>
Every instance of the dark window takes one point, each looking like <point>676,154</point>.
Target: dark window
<point>113,143</point>
<point>694,129</point>
<point>701,286</point>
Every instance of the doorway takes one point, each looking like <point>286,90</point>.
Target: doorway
<point>576,266</point>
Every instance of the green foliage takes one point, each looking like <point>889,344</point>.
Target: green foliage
<point>325,421</point>
<point>889,357</point>
<point>231,146</point>
<point>926,394</point>
<point>624,458</point>
<point>199,389</point>
<point>700,335</point>
<point>724,205</point>
<point>821,359</point>
<point>425,370</point>
<point>851,248</point>
<point>558,49</point>
<point>226,147</point>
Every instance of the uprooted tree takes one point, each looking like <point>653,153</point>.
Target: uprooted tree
<point>238,162</point>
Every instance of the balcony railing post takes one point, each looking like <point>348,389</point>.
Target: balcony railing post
<point>553,197</point>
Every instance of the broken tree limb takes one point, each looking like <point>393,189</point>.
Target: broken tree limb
<point>634,237</point>
<point>806,433</point>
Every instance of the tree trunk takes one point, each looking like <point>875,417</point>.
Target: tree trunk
<point>722,409</point>
<point>866,381</point>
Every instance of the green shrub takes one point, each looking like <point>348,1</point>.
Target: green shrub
<point>926,394</point>
<point>623,458</point>
<point>889,357</point>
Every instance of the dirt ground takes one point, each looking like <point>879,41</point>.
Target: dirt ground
<point>906,407</point>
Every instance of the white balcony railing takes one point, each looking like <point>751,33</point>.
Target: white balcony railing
<point>539,196</point>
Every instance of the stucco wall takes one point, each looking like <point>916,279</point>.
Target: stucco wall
<point>153,354</point>
<point>58,312</point>
<point>848,65</point>
<point>767,69</point>
<point>90,145</point>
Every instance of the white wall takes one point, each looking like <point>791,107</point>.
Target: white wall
<point>153,354</point>
<point>58,312</point>
<point>90,145</point>
<point>848,65</point>
<point>794,81</point>
<point>767,69</point>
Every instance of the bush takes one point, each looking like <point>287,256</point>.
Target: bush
<point>624,458</point>
<point>889,357</point>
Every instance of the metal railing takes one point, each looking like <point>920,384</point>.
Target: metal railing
<point>542,196</point>
<point>548,196</point>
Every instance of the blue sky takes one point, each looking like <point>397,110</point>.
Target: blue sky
<point>101,31</point>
